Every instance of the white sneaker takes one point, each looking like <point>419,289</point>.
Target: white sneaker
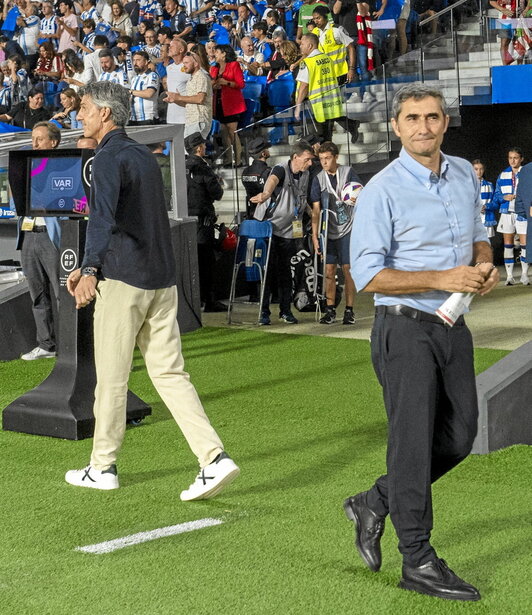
<point>212,479</point>
<point>95,479</point>
<point>38,353</point>
<point>510,282</point>
<point>525,281</point>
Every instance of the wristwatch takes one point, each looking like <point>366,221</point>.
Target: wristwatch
<point>88,271</point>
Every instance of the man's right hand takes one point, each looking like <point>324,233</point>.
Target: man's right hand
<point>316,243</point>
<point>259,198</point>
<point>461,279</point>
<point>509,197</point>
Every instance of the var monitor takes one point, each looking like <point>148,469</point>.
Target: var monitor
<point>51,182</point>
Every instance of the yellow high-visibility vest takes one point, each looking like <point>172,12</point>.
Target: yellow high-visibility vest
<point>337,52</point>
<point>323,91</point>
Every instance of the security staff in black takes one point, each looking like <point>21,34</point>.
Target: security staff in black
<point>203,188</point>
<point>254,177</point>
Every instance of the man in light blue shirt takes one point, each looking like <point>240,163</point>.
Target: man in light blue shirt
<point>417,237</point>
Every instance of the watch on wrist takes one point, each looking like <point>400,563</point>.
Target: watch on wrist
<point>89,271</point>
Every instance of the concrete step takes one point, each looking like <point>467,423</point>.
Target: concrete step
<point>465,72</point>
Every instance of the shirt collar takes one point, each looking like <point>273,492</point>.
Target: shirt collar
<point>420,172</point>
<point>108,136</point>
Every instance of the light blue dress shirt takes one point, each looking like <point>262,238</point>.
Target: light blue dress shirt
<point>407,218</point>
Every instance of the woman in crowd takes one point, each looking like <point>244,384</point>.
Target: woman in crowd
<point>228,83</point>
<point>138,39</point>
<point>120,22</point>
<point>49,65</point>
<point>73,73</point>
<point>202,54</point>
<point>67,116</point>
<point>5,87</point>
<point>28,113</point>
<point>20,83</point>
<point>291,55</point>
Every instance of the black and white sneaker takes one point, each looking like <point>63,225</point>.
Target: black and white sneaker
<point>94,479</point>
<point>289,318</point>
<point>349,317</point>
<point>329,317</point>
<point>212,479</point>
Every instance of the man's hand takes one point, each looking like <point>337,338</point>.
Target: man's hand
<point>491,278</point>
<point>462,279</point>
<point>259,198</point>
<point>509,197</point>
<point>316,243</point>
<point>82,288</point>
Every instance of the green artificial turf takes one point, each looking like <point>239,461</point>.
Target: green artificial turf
<point>303,417</point>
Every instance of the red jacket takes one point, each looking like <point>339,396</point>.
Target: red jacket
<point>232,97</point>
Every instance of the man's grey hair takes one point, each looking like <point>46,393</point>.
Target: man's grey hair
<point>299,148</point>
<point>106,94</point>
<point>54,134</point>
<point>417,91</point>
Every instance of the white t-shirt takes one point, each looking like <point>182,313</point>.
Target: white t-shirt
<point>176,81</point>
<point>302,74</point>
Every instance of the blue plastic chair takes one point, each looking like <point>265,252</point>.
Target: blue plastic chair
<point>252,253</point>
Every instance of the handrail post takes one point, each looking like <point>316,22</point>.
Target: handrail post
<point>388,140</point>
<point>454,39</point>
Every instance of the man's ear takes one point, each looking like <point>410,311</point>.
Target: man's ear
<point>395,127</point>
<point>105,113</point>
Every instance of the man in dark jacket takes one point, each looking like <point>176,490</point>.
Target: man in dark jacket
<point>203,188</point>
<point>129,270</point>
<point>255,175</point>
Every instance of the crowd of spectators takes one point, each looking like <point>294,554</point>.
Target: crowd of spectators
<point>52,48</point>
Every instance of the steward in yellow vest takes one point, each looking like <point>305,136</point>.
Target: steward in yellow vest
<point>336,43</point>
<point>322,88</point>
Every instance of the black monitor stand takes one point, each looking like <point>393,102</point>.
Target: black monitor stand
<point>61,406</point>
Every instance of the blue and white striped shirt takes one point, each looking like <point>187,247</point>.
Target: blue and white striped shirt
<point>143,109</point>
<point>91,13</point>
<point>88,41</point>
<point>506,184</point>
<point>115,76</point>
<point>154,51</point>
<point>49,26</point>
<point>28,37</point>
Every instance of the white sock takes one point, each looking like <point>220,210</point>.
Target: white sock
<point>524,266</point>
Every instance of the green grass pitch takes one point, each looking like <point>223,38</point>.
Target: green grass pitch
<point>304,419</point>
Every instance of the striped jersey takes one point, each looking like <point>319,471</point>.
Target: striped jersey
<point>115,76</point>
<point>154,51</point>
<point>144,108</point>
<point>88,41</point>
<point>28,36</point>
<point>506,184</point>
<point>49,26</point>
<point>91,13</point>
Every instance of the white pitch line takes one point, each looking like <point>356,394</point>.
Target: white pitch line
<point>119,543</point>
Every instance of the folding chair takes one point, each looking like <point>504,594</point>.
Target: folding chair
<point>252,253</point>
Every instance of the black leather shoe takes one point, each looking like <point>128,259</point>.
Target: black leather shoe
<point>435,578</point>
<point>369,528</point>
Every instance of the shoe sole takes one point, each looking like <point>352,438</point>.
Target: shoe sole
<point>51,356</point>
<point>352,516</point>
<point>420,589</point>
<point>215,489</point>
<point>91,486</point>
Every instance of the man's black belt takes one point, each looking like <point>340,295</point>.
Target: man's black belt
<point>39,229</point>
<point>405,310</point>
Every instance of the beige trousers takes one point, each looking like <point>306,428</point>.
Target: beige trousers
<point>124,316</point>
